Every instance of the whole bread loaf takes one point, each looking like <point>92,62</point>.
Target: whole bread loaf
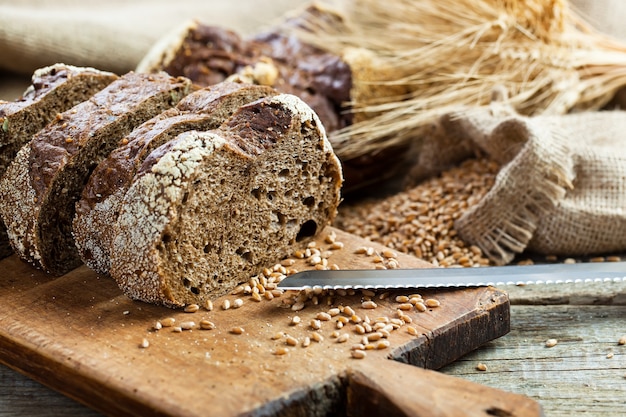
<point>41,186</point>
<point>209,209</point>
<point>102,197</point>
<point>54,89</point>
<point>208,55</point>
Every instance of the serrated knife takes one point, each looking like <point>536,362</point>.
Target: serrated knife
<point>456,277</point>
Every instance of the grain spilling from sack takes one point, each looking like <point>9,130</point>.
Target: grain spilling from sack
<point>420,220</point>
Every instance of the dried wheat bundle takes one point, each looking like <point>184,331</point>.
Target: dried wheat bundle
<point>414,60</point>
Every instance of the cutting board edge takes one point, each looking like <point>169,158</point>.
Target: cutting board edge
<point>457,334</point>
<point>109,400</point>
<point>47,372</point>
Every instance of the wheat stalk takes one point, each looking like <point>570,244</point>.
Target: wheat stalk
<point>414,60</point>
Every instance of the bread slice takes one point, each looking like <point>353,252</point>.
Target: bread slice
<point>102,197</point>
<point>54,89</point>
<point>210,209</point>
<point>40,188</point>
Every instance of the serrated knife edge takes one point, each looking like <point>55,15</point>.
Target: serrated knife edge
<point>456,277</point>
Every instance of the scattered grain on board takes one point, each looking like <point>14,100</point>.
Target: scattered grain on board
<point>281,351</point>
<point>187,325</point>
<point>168,322</point>
<point>432,303</point>
<point>481,367</point>
<point>383,344</point>
<point>144,343</point>
<point>420,220</point>
<point>343,338</point>
<point>412,331</point>
<point>316,337</point>
<point>374,333</point>
<point>358,354</point>
<point>207,325</point>
<point>421,307</point>
<point>191,308</point>
<point>622,341</point>
<point>551,343</point>
<point>237,330</point>
<point>322,316</point>
<point>291,341</point>
<point>278,335</point>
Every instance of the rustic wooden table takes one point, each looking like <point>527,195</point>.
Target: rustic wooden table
<point>585,373</point>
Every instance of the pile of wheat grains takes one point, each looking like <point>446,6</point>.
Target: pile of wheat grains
<point>420,220</point>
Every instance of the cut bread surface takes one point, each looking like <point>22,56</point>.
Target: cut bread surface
<point>216,207</point>
<point>101,198</point>
<point>43,184</point>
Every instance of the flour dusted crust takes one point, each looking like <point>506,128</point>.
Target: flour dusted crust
<point>53,90</point>
<point>56,163</point>
<point>102,197</point>
<point>209,209</point>
<point>18,201</point>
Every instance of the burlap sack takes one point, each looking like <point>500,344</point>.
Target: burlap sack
<point>561,189</point>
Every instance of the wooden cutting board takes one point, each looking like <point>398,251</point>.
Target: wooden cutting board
<point>79,335</point>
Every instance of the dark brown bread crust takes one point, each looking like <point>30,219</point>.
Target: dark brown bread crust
<point>208,55</point>
<point>59,159</point>
<point>5,244</point>
<point>216,207</point>
<point>101,198</point>
<point>54,89</point>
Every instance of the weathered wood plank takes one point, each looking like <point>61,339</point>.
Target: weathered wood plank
<point>594,293</point>
<point>572,378</point>
<point>22,396</point>
<point>576,376</point>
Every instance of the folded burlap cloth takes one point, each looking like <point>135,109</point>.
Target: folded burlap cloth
<point>112,35</point>
<point>561,189</point>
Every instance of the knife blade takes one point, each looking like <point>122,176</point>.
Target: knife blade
<point>455,277</point>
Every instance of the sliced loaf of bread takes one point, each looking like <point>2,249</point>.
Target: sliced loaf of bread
<point>208,210</point>
<point>41,186</point>
<point>101,198</point>
<point>54,89</point>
